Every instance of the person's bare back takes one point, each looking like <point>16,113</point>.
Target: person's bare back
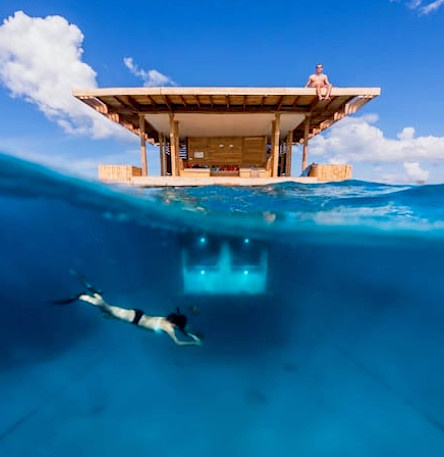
<point>320,81</point>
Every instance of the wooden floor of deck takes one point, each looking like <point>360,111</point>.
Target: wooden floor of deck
<point>169,181</point>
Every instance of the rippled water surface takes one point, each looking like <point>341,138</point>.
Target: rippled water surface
<point>340,354</point>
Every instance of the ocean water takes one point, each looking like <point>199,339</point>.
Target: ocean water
<point>341,355</point>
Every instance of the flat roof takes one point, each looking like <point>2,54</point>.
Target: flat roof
<point>225,111</point>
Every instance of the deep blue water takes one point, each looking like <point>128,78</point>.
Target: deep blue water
<point>342,356</point>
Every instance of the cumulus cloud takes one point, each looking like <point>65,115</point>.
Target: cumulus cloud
<point>359,140</point>
<point>422,7</point>
<point>415,172</point>
<point>41,62</point>
<point>150,78</point>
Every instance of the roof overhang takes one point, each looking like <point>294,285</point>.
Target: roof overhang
<point>225,111</point>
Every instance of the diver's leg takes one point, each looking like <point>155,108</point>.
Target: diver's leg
<point>114,311</point>
<point>88,286</point>
<point>123,314</point>
<point>66,301</point>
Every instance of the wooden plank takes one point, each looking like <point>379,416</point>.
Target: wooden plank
<point>305,147</point>
<point>173,146</point>
<point>276,127</point>
<point>167,102</point>
<point>126,100</point>
<point>178,159</point>
<point>169,181</point>
<point>152,101</point>
<point>217,108</point>
<point>289,153</point>
<point>267,91</point>
<point>143,145</point>
<point>162,154</point>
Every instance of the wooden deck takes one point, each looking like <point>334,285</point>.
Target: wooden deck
<point>174,181</point>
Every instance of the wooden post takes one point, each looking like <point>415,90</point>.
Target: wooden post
<point>173,145</point>
<point>305,148</point>
<point>289,153</point>
<point>143,145</point>
<point>275,132</point>
<point>162,154</point>
<point>176,127</point>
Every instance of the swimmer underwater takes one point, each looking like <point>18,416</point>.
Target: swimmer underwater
<point>169,325</point>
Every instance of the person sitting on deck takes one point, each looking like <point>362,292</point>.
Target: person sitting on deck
<point>320,81</point>
<point>169,325</point>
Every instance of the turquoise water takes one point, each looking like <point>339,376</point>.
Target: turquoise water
<point>341,356</point>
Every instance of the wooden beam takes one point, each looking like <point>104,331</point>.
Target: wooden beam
<point>314,104</point>
<point>176,127</point>
<point>128,101</point>
<point>167,102</point>
<point>173,144</point>
<point>216,110</point>
<point>305,147</point>
<point>296,100</point>
<point>184,103</point>
<point>289,153</point>
<point>275,129</point>
<point>143,145</point>
<point>162,154</point>
<point>281,101</point>
<point>151,100</point>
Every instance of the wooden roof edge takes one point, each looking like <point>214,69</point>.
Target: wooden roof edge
<point>131,91</point>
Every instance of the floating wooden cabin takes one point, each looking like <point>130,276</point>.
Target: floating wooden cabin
<point>225,135</point>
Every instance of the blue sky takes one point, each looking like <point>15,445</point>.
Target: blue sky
<point>396,45</point>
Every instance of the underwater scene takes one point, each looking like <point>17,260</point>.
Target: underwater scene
<point>320,308</point>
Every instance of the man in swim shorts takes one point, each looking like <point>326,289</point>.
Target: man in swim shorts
<point>320,82</point>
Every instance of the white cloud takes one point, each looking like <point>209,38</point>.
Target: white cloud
<point>421,7</point>
<point>358,140</point>
<point>415,172</point>
<point>41,61</point>
<point>431,7</point>
<point>150,78</point>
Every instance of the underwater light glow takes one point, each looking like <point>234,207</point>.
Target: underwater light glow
<point>245,272</point>
<point>246,240</point>
<point>202,240</point>
<point>202,272</point>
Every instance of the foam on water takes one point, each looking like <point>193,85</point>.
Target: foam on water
<point>341,356</point>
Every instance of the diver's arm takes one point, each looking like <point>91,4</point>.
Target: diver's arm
<point>196,341</point>
<point>195,338</point>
